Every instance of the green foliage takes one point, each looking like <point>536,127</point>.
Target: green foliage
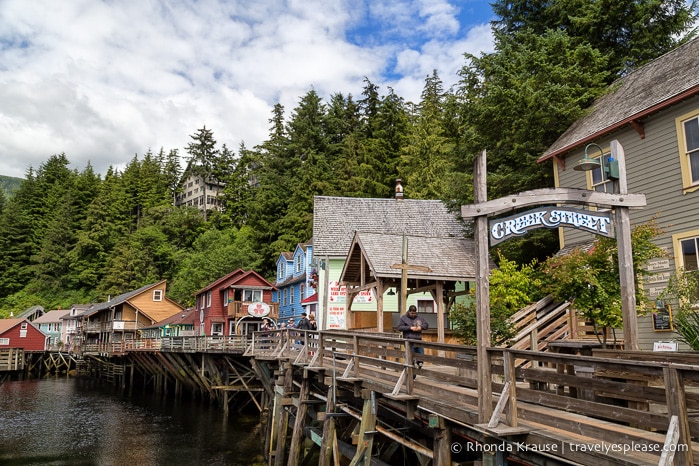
<point>75,236</point>
<point>628,33</point>
<point>683,291</point>
<point>215,253</point>
<point>8,185</point>
<point>512,287</point>
<point>589,278</point>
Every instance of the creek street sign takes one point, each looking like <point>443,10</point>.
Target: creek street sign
<point>599,223</point>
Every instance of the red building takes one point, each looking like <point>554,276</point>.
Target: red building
<point>235,304</point>
<point>20,333</point>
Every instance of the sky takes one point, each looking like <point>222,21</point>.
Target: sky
<point>104,81</point>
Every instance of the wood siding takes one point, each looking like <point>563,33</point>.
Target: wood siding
<point>156,310</point>
<point>33,341</point>
<point>653,169</point>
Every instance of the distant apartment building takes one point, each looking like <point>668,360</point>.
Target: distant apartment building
<point>200,193</point>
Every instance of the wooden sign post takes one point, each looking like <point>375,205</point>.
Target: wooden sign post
<point>404,266</point>
<point>483,208</point>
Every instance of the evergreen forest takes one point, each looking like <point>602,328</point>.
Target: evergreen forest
<point>75,236</point>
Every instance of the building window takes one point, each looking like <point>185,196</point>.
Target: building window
<point>291,295</point>
<point>157,295</point>
<point>688,143</point>
<point>690,254</point>
<point>298,262</point>
<point>4,341</point>
<point>216,329</point>
<point>252,296</point>
<point>280,271</point>
<point>686,247</point>
<point>286,297</point>
<point>208,299</point>
<point>425,306</point>
<point>598,179</point>
<point>225,296</point>
<point>23,326</point>
<point>302,288</point>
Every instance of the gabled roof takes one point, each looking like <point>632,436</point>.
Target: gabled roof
<point>651,88</point>
<point>7,324</point>
<point>287,256</point>
<point>218,282</point>
<point>51,317</point>
<point>186,317</point>
<point>336,219</point>
<point>122,298</point>
<point>450,259</point>
<point>233,279</point>
<point>263,283</point>
<point>32,312</point>
<point>291,279</point>
<point>312,299</point>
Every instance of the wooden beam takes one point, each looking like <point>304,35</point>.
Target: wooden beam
<point>624,251</point>
<point>480,195</point>
<point>552,195</point>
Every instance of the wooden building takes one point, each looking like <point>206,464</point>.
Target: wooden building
<point>20,333</point>
<point>107,326</point>
<point>432,265</point>
<point>296,280</point>
<point>236,303</point>
<point>335,222</point>
<point>653,113</point>
<point>181,324</point>
<point>51,324</point>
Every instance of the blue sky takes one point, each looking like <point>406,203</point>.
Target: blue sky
<point>105,80</point>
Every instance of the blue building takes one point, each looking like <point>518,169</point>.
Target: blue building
<point>297,278</point>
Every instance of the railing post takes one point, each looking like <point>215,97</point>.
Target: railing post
<point>677,406</point>
<point>355,350</point>
<point>511,377</point>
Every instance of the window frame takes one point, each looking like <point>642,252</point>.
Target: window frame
<point>157,295</point>
<point>422,305</point>
<point>606,183</point>
<point>256,296</point>
<point>677,241</point>
<point>688,184</point>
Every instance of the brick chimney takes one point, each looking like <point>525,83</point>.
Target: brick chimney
<point>399,189</point>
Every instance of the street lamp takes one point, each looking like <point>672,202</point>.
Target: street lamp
<point>615,169</point>
<point>610,166</point>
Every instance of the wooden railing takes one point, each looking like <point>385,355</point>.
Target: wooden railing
<point>238,309</point>
<point>542,322</point>
<point>198,344</point>
<point>649,406</point>
<point>11,359</point>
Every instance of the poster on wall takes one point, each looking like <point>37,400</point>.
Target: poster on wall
<point>336,317</point>
<point>337,301</point>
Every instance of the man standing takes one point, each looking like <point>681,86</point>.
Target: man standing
<point>304,323</point>
<point>412,326</point>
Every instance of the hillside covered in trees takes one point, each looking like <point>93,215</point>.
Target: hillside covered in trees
<point>71,236</point>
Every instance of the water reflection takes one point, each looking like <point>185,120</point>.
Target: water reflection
<point>65,421</point>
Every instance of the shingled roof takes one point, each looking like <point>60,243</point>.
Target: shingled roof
<point>336,219</point>
<point>653,87</point>
<point>451,259</point>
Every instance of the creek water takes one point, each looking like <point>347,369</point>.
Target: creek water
<point>68,421</point>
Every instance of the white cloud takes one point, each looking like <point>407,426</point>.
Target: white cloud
<point>102,81</point>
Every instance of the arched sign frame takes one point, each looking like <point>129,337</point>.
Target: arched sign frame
<point>482,209</point>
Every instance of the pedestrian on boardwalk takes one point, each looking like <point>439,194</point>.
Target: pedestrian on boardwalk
<point>412,327</point>
<point>304,323</point>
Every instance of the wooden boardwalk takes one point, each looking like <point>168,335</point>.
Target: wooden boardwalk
<point>363,396</point>
<point>587,410</point>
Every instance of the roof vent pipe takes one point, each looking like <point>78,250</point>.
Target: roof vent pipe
<point>399,189</point>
